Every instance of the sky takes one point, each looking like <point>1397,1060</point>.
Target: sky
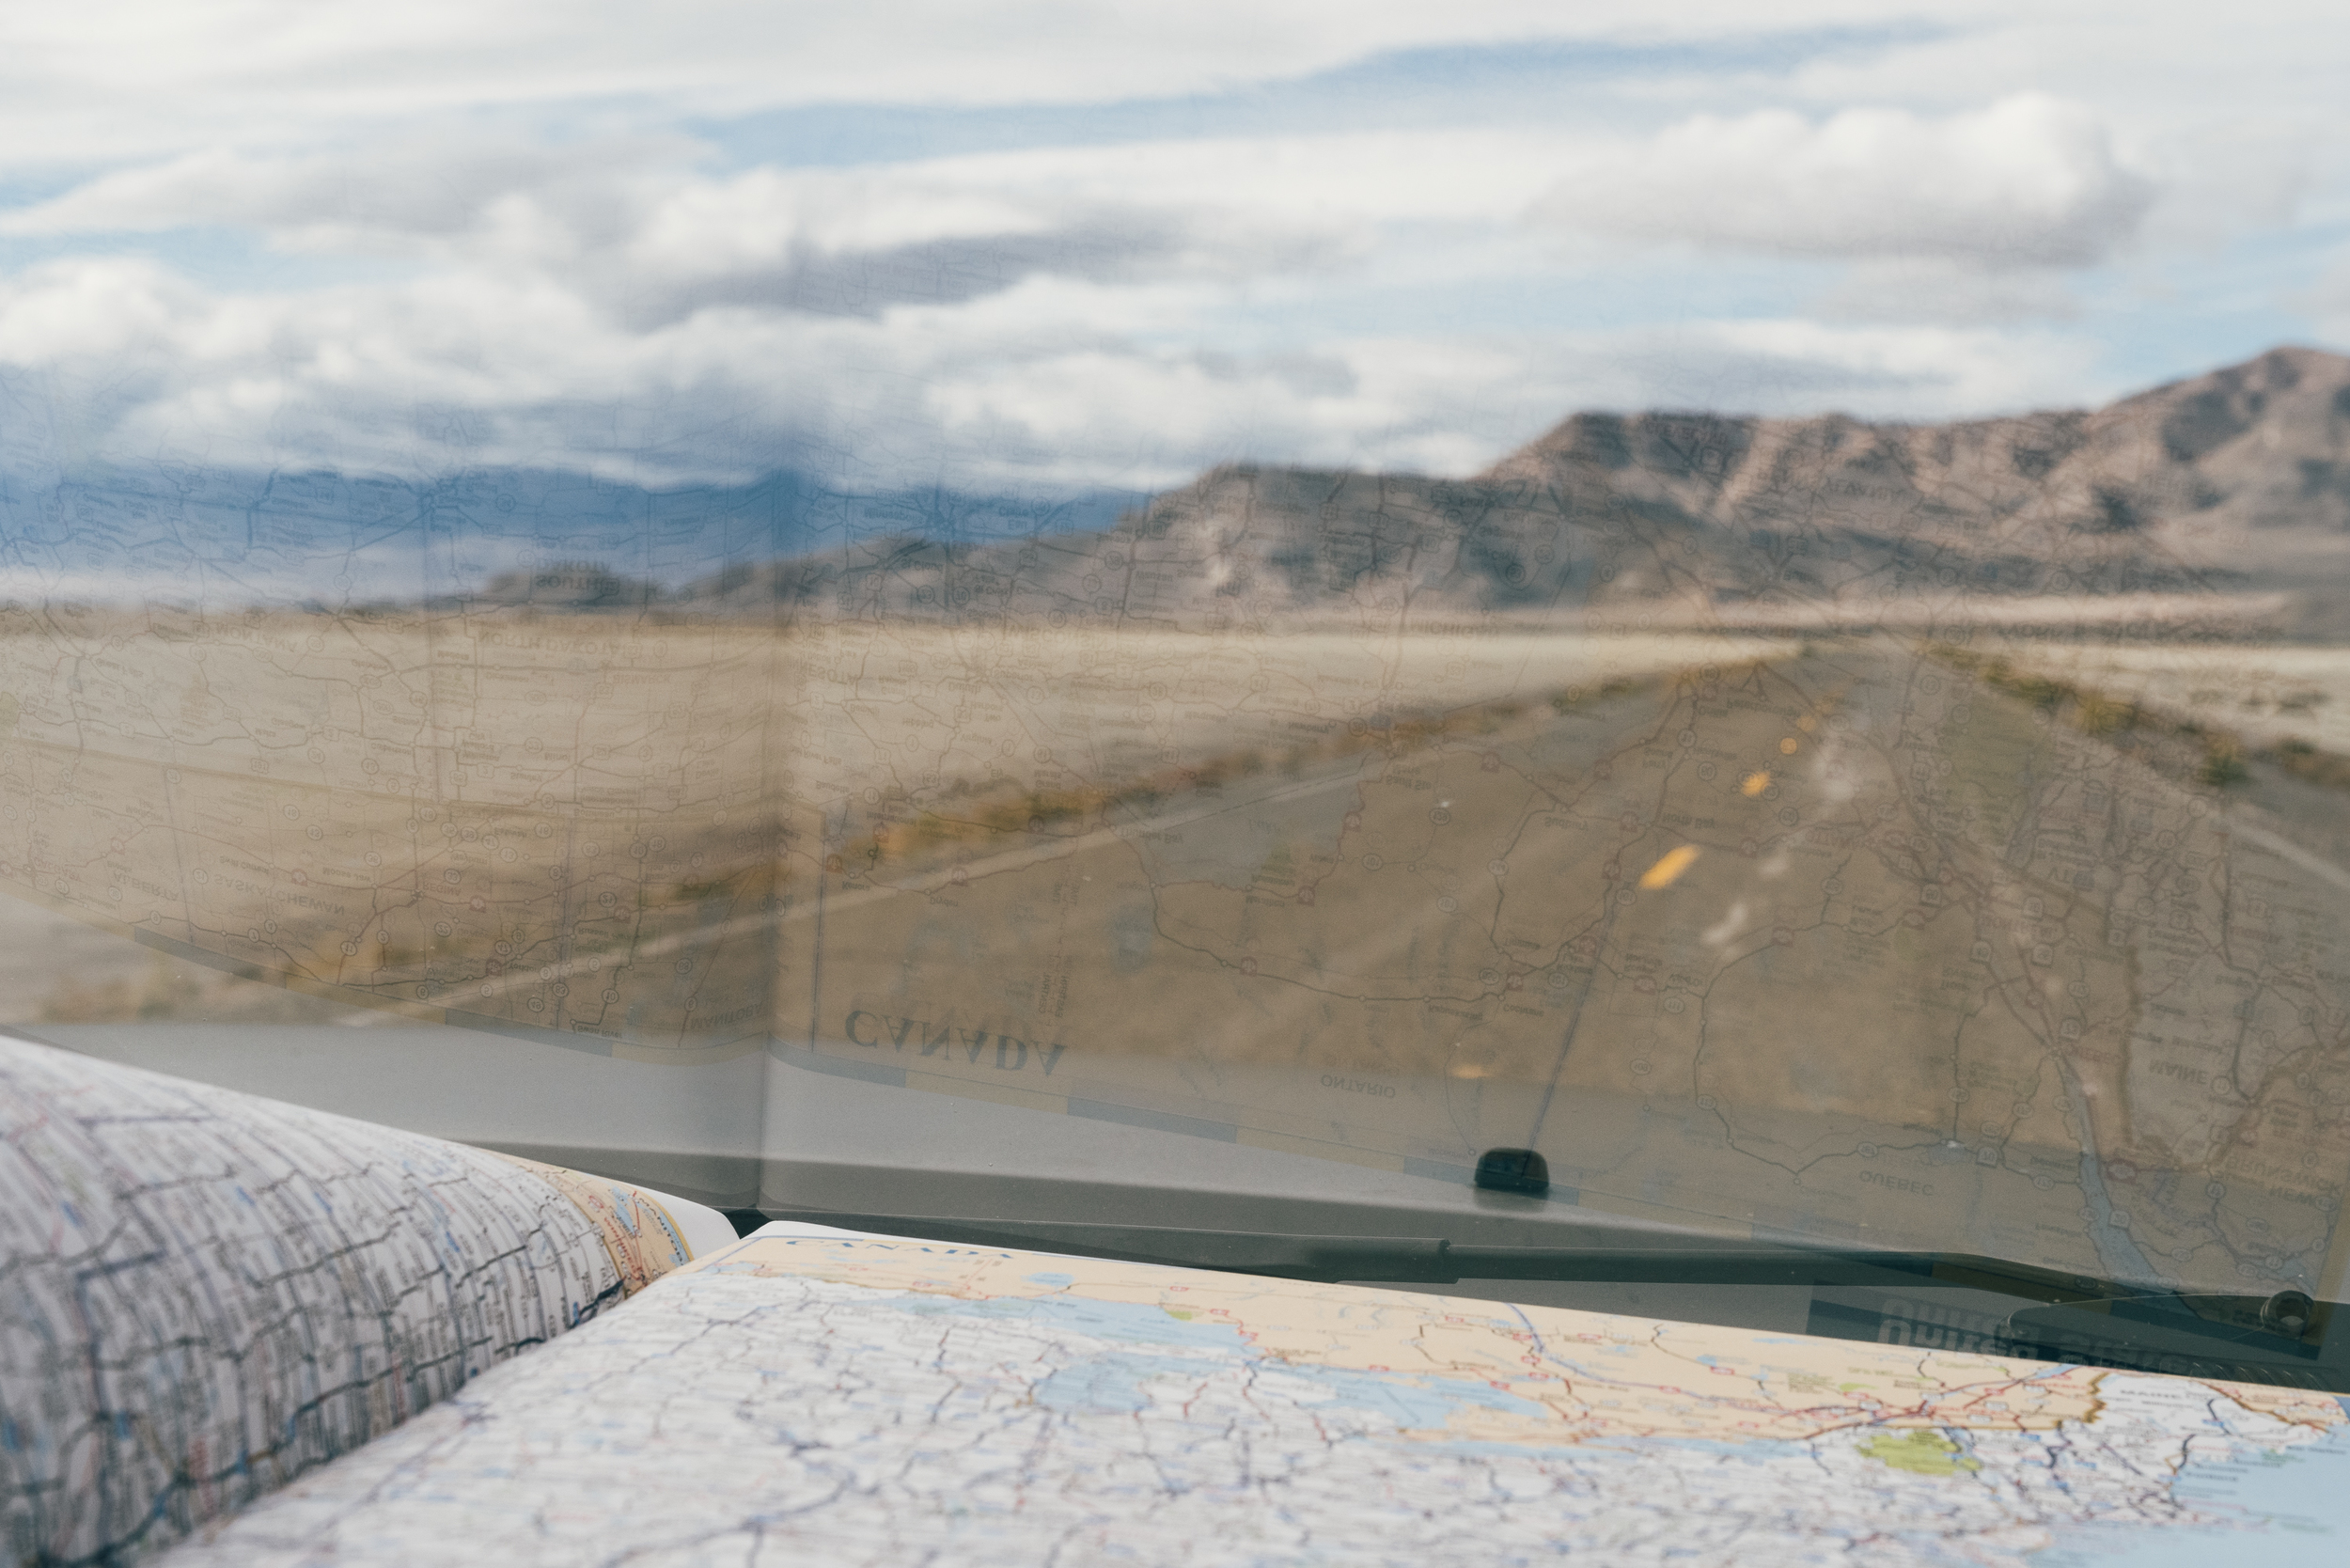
<point>1037,247</point>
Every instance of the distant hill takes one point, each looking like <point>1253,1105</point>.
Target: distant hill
<point>570,586</point>
<point>142,534</point>
<point>2226,494</point>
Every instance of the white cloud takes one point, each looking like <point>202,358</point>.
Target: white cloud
<point>105,79</point>
<point>1945,293</point>
<point>460,191</point>
<point>1051,382</point>
<point>2030,181</point>
<point>637,227</point>
<point>1795,365</point>
<point>1055,316</point>
<point>618,297</point>
<point>2028,186</point>
<point>403,196</point>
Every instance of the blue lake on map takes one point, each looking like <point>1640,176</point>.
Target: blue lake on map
<point>1114,1382</point>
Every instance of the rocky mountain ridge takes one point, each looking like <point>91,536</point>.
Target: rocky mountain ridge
<point>2196,499</point>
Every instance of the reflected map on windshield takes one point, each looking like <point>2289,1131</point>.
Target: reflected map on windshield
<point>1891,835</point>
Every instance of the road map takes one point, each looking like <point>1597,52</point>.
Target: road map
<point>208,1294</point>
<point>813,1395</point>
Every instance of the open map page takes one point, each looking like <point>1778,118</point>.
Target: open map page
<point>207,1293</point>
<point>814,1396</point>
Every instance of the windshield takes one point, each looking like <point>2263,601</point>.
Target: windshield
<point>1369,647</point>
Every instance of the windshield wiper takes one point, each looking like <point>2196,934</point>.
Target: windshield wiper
<point>2278,1339</point>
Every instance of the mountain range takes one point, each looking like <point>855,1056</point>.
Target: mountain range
<point>2219,502</point>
